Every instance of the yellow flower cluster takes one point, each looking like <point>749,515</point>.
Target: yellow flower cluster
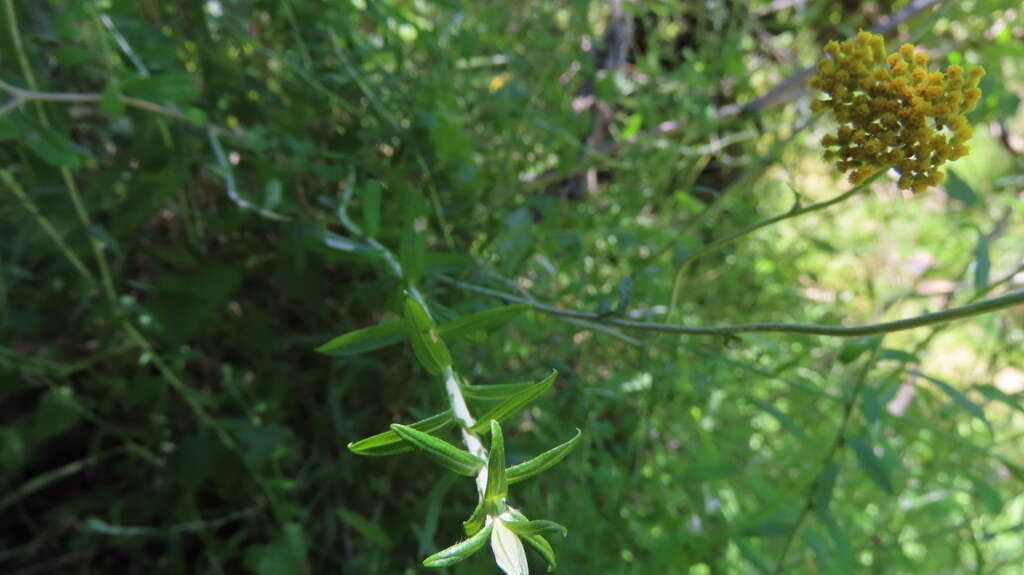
<point>892,111</point>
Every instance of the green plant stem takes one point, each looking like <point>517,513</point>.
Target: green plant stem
<point>20,97</point>
<point>792,213</point>
<point>50,477</point>
<point>47,226</point>
<point>965,311</point>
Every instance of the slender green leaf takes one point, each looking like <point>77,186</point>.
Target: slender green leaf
<point>769,528</point>
<point>871,404</point>
<point>982,263</point>
<point>823,488</point>
<point>112,103</point>
<point>542,462</point>
<point>822,550</point>
<point>844,559</point>
<point>389,442</point>
<point>476,519</point>
<point>956,396</point>
<point>537,527</point>
<point>366,339</point>
<point>412,250</point>
<point>784,420</point>
<point>960,190</point>
<point>427,344</point>
<point>480,322</point>
<point>370,195</point>
<point>542,546</point>
<point>496,392</point>
<point>873,467</point>
<point>368,529</point>
<point>48,144</point>
<point>515,402</point>
<point>988,495</point>
<point>461,550</point>
<point>442,452</point>
<point>993,393</point>
<point>750,555</point>
<point>897,355</point>
<point>497,484</point>
<point>854,348</point>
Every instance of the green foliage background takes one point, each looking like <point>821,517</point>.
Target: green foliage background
<point>163,408</point>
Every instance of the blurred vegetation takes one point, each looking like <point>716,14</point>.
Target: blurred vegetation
<point>172,255</point>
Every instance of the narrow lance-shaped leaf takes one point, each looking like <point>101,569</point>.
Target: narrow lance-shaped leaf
<point>514,403</point>
<point>995,394</point>
<point>982,263</point>
<point>476,519</point>
<point>823,488</point>
<point>427,344</point>
<point>389,442</point>
<point>542,546</point>
<point>370,194</point>
<point>480,322</point>
<point>536,527</point>
<point>538,542</point>
<point>958,398</point>
<point>444,453</point>
<point>366,339</point>
<point>461,550</point>
<point>394,331</point>
<point>871,464</point>
<point>497,485</point>
<point>496,392</point>
<point>542,462</point>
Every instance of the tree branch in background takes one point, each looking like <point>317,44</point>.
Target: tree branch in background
<point>785,91</point>
<point>20,97</point>
<point>969,310</point>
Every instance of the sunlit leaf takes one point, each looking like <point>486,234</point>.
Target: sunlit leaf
<point>366,339</point>
<point>461,550</point>
<point>956,396</point>
<point>442,452</point>
<point>496,392</point>
<point>514,403</point>
<point>476,519</point>
<point>497,484</point>
<point>536,527</point>
<point>542,462</point>
<point>389,442</point>
<point>427,344</point>
<point>873,467</point>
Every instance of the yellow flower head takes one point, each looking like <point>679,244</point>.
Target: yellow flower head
<point>892,111</point>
